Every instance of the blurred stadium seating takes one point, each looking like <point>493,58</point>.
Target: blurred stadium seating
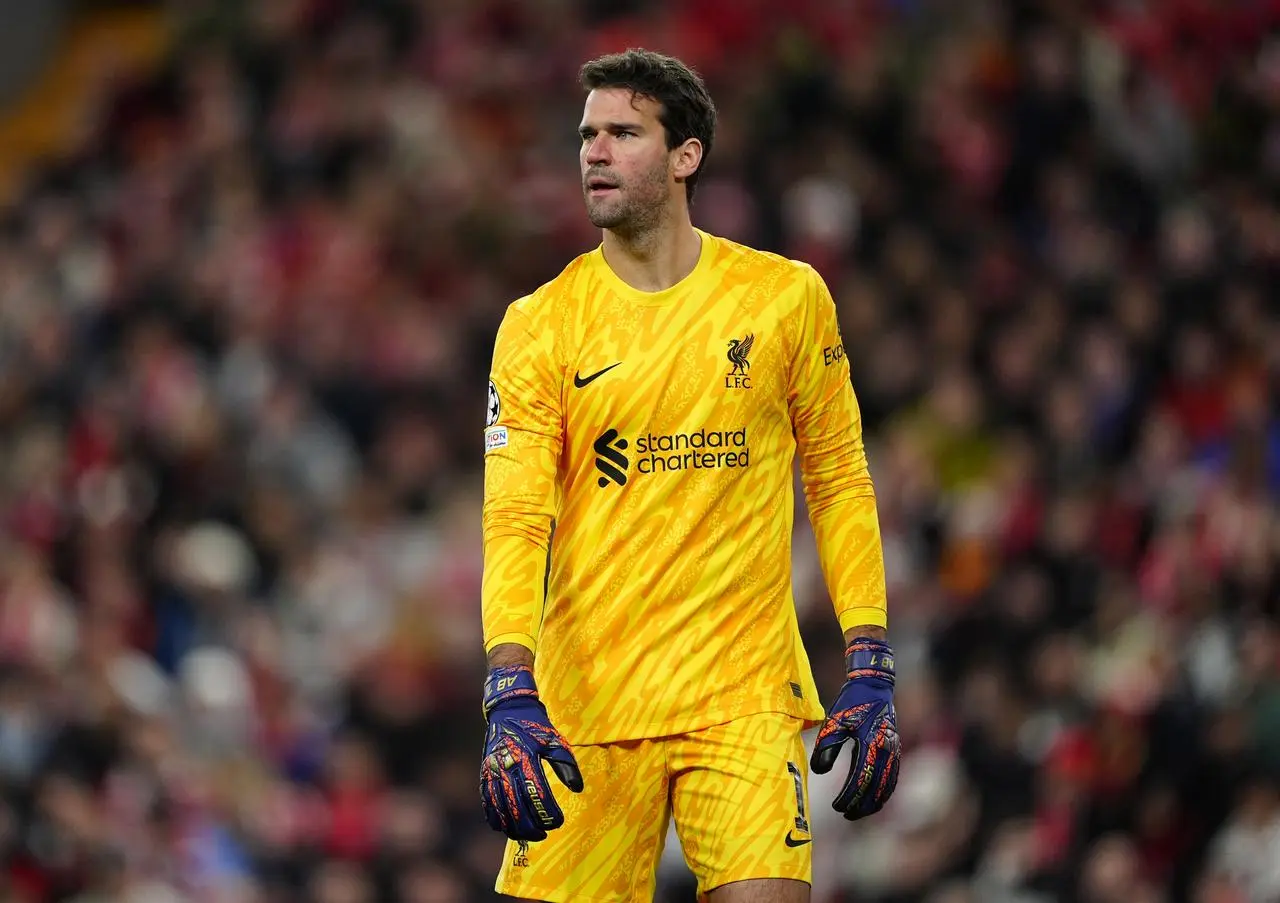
<point>246,307</point>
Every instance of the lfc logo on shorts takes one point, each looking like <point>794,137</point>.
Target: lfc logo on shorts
<point>521,858</point>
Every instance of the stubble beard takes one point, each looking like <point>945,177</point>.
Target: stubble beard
<point>635,209</point>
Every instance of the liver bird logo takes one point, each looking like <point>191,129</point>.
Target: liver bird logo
<point>738,351</point>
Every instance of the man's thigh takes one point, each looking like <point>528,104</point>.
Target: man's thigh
<point>613,833</point>
<point>739,795</point>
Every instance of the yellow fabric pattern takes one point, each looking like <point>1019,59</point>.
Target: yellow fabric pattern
<point>737,792</point>
<point>656,431</point>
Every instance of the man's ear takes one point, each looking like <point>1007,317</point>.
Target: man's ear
<point>687,158</point>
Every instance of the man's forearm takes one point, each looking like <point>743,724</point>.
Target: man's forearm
<point>509,655</point>
<point>867,630</point>
<point>848,539</point>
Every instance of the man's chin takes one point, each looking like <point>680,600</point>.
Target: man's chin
<point>603,218</point>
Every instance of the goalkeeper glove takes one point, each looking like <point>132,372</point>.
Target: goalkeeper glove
<point>513,787</point>
<point>863,713</point>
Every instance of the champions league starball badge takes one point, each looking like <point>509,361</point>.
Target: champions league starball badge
<point>495,406</point>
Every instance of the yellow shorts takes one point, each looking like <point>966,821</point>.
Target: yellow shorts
<point>737,791</point>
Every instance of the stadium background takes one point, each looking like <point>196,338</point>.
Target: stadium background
<point>252,257</point>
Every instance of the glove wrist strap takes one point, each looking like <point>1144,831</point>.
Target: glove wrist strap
<point>867,657</point>
<point>508,683</point>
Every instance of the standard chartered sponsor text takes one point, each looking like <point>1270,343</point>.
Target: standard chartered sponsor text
<point>701,449</point>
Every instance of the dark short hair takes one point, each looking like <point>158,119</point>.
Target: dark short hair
<point>687,110</point>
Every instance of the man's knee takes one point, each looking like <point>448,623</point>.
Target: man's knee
<point>761,890</point>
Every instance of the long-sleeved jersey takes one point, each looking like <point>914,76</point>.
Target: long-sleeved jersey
<point>638,491</point>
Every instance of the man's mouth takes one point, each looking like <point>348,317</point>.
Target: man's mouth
<point>598,185</point>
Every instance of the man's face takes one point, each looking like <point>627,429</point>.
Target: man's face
<point>626,167</point>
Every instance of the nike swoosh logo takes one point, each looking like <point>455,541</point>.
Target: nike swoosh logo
<point>582,381</point>
<point>797,841</point>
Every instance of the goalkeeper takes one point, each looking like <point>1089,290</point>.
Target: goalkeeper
<point>645,409</point>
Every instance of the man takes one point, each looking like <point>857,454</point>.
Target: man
<point>645,408</point>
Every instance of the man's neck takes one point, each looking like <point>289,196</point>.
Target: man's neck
<point>656,259</point>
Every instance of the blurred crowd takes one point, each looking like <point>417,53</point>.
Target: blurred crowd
<point>245,329</point>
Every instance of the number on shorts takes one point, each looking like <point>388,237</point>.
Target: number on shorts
<point>802,821</point>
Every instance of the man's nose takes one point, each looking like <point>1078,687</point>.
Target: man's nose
<point>598,149</point>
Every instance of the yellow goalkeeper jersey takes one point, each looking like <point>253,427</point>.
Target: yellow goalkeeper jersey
<point>638,497</point>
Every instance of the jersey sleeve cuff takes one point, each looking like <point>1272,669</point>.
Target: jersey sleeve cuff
<point>520,639</point>
<point>863,616</point>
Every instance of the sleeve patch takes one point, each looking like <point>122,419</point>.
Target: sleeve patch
<point>495,438</point>
<point>494,411</point>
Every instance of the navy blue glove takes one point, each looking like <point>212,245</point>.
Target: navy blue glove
<point>513,787</point>
<point>863,713</point>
